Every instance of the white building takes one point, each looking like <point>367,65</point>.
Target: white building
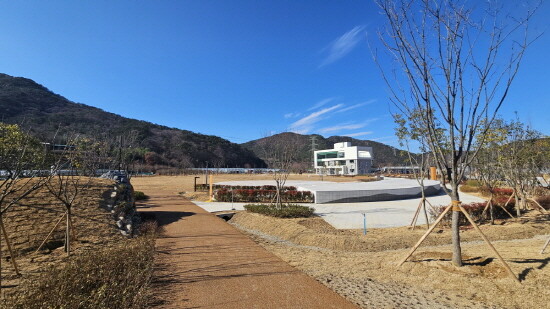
<point>344,159</point>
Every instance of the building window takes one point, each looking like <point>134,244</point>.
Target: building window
<point>351,161</point>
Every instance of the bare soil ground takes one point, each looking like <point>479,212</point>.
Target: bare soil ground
<point>28,223</point>
<point>183,185</point>
<point>364,268</point>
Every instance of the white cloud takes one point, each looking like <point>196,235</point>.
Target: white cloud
<point>383,138</point>
<point>342,127</point>
<point>342,45</point>
<point>292,115</point>
<point>356,106</point>
<point>304,125</point>
<point>359,134</point>
<point>320,104</point>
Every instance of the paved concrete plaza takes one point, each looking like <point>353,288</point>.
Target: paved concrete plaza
<point>349,215</point>
<point>353,192</point>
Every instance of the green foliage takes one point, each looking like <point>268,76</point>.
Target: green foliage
<point>115,277</point>
<point>286,211</point>
<point>140,196</point>
<point>18,150</point>
<point>473,183</point>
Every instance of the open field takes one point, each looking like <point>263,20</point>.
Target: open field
<point>363,268</point>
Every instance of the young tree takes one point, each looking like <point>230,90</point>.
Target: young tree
<point>520,159</point>
<point>22,164</point>
<point>455,64</point>
<point>486,163</point>
<point>280,155</point>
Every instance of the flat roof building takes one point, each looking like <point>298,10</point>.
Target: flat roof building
<point>343,159</point>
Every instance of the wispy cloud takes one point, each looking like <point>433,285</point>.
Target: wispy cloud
<point>359,134</point>
<point>383,138</point>
<point>292,115</point>
<point>320,104</point>
<point>304,125</point>
<point>356,106</point>
<point>342,127</point>
<point>342,45</point>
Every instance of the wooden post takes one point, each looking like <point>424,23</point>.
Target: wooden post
<point>488,243</point>
<point>428,232</point>
<point>433,173</point>
<point>542,208</point>
<point>12,256</point>
<point>413,222</point>
<point>51,232</point>
<point>211,191</point>
<point>545,245</point>
<point>68,232</point>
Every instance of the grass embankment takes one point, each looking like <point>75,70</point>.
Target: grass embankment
<point>113,277</point>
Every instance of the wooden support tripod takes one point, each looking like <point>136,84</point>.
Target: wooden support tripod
<point>8,244</point>
<point>545,245</point>
<point>456,206</point>
<point>421,204</point>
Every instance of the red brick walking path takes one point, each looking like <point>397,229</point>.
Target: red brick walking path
<point>204,262</point>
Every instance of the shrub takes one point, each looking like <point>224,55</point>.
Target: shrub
<point>261,194</point>
<point>140,196</point>
<point>287,211</point>
<point>476,212</point>
<point>473,183</point>
<point>468,189</point>
<point>544,201</point>
<point>115,277</point>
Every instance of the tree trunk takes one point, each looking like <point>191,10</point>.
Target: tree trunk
<point>491,209</point>
<point>518,207</point>
<point>68,233</point>
<point>457,251</point>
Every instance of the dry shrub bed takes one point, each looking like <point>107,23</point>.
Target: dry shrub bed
<point>104,270</point>
<point>115,277</point>
<point>363,268</point>
<point>286,211</point>
<point>316,232</point>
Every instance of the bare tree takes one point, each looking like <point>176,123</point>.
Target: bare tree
<point>280,155</point>
<point>408,131</point>
<point>22,163</point>
<point>486,163</point>
<point>520,159</point>
<point>455,64</point>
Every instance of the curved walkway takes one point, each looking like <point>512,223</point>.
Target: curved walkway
<point>203,262</point>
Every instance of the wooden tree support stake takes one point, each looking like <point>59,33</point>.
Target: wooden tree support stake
<point>542,210</point>
<point>426,234</point>
<point>429,231</point>
<point>12,256</point>
<point>488,243</point>
<point>51,232</point>
<point>545,245</point>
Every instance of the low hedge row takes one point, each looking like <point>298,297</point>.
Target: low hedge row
<point>262,195</point>
<point>476,211</point>
<point>286,211</point>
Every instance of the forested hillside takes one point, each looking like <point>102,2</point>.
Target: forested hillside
<point>43,113</point>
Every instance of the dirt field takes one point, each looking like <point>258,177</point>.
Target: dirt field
<point>363,268</point>
<point>28,224</point>
<point>183,185</point>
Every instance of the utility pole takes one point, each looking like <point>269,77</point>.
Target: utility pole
<point>313,148</point>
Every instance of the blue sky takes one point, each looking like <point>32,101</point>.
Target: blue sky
<point>236,69</point>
